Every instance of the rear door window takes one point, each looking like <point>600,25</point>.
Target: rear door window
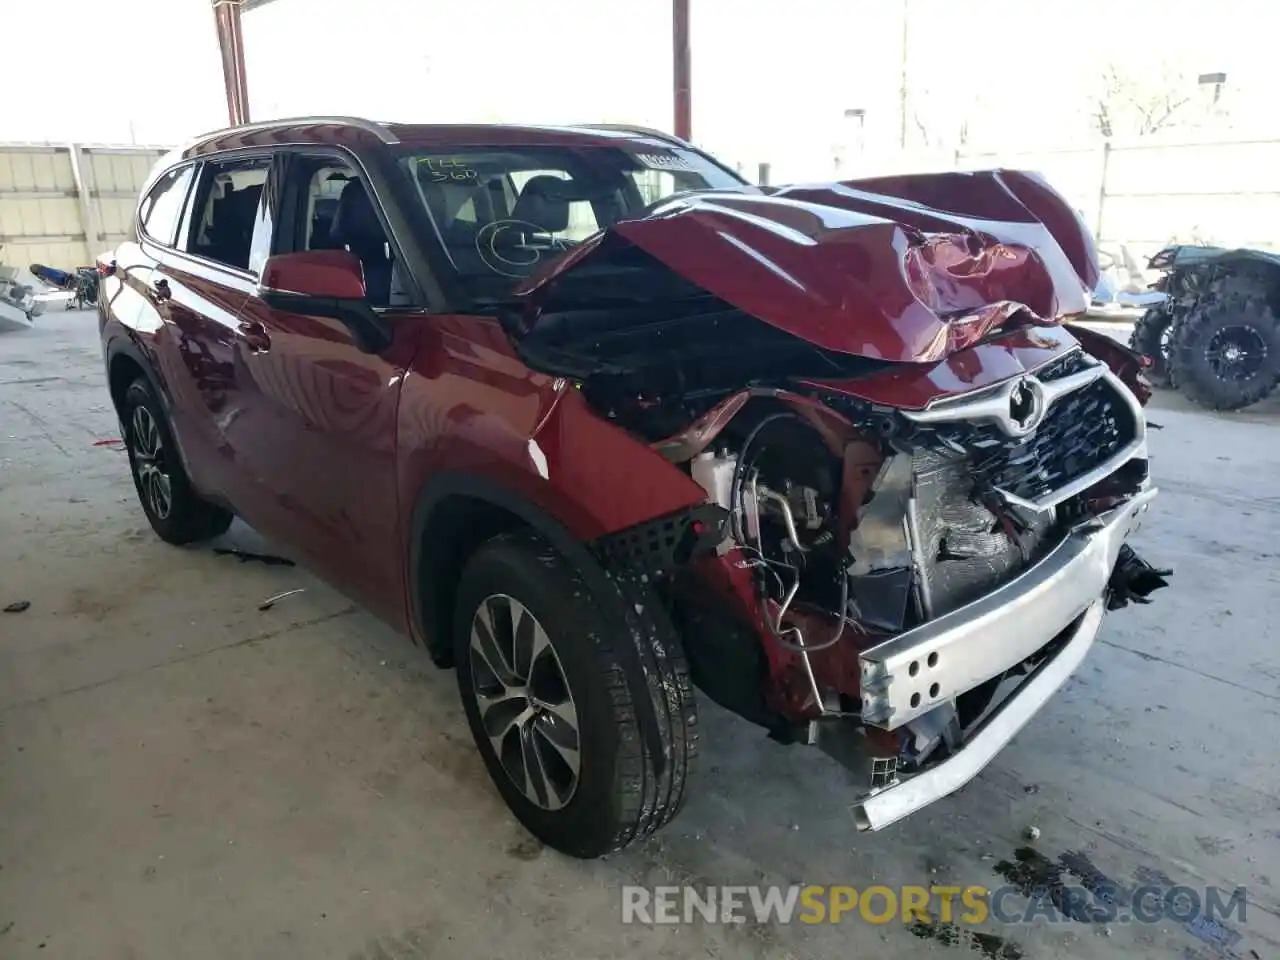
<point>161,209</point>
<point>226,210</point>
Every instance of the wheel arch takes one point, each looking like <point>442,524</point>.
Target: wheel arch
<point>441,516</point>
<point>456,513</point>
<point>125,361</point>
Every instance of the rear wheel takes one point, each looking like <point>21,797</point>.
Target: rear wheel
<point>1151,335</point>
<point>547,697</point>
<point>175,511</point>
<point>1226,352</point>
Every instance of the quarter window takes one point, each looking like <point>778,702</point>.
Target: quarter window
<point>162,207</point>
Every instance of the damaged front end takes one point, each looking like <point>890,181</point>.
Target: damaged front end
<point>913,523</point>
<point>922,581</point>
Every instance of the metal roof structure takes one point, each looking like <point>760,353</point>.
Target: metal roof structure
<point>227,15</point>
<point>357,131</point>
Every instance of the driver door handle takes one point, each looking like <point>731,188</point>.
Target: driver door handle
<point>255,336</point>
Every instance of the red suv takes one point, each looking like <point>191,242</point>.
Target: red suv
<point>594,421</point>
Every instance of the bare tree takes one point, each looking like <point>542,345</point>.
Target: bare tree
<point>947,122</point>
<point>922,129</point>
<point>1131,102</point>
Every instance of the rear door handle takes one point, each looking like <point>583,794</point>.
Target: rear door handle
<point>255,336</point>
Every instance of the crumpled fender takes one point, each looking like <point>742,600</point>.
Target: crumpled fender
<point>1126,364</point>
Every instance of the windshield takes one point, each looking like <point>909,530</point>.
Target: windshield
<point>503,211</point>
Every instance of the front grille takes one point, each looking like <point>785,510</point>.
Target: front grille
<point>1073,361</point>
<point>962,549</point>
<point>1082,431</point>
<point>964,541</point>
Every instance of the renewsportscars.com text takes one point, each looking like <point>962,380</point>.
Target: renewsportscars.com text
<point>969,906</point>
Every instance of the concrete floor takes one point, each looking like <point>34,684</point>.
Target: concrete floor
<point>182,775</point>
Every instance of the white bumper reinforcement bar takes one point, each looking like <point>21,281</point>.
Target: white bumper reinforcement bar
<point>916,671</point>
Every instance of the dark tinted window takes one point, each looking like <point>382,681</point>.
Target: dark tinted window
<point>162,208</point>
<point>226,209</point>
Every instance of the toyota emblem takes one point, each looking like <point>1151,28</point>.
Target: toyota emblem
<point>1026,404</point>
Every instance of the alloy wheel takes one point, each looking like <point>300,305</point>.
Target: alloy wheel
<point>524,701</point>
<point>1236,353</point>
<point>150,463</point>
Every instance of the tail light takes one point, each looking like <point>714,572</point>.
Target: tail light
<point>106,269</point>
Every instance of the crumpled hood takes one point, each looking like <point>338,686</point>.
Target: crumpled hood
<point>907,269</point>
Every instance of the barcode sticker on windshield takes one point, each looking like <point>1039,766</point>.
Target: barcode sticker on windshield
<point>664,161</point>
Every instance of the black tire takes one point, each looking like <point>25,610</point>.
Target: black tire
<point>1198,340</point>
<point>617,798</point>
<point>187,518</point>
<point>1149,338</point>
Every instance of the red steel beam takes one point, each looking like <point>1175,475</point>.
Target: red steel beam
<point>683,69</point>
<point>226,14</point>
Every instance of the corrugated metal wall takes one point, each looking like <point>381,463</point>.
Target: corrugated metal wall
<point>62,206</point>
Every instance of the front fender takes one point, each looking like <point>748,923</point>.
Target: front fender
<point>444,492</point>
<point>1124,363</point>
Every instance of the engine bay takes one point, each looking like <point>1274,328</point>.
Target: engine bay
<point>849,523</point>
<point>865,543</point>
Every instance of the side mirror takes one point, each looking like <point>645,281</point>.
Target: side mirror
<point>325,283</point>
<point>334,274</point>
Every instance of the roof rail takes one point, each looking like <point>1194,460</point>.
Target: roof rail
<point>668,137</point>
<point>638,130</point>
<point>379,131</point>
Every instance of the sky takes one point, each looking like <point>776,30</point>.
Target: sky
<point>773,79</point>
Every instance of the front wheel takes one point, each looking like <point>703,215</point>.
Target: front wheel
<point>176,512</point>
<point>1151,339</point>
<point>1226,352</point>
<point>544,683</point>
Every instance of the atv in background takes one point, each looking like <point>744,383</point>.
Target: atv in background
<point>1216,336</point>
